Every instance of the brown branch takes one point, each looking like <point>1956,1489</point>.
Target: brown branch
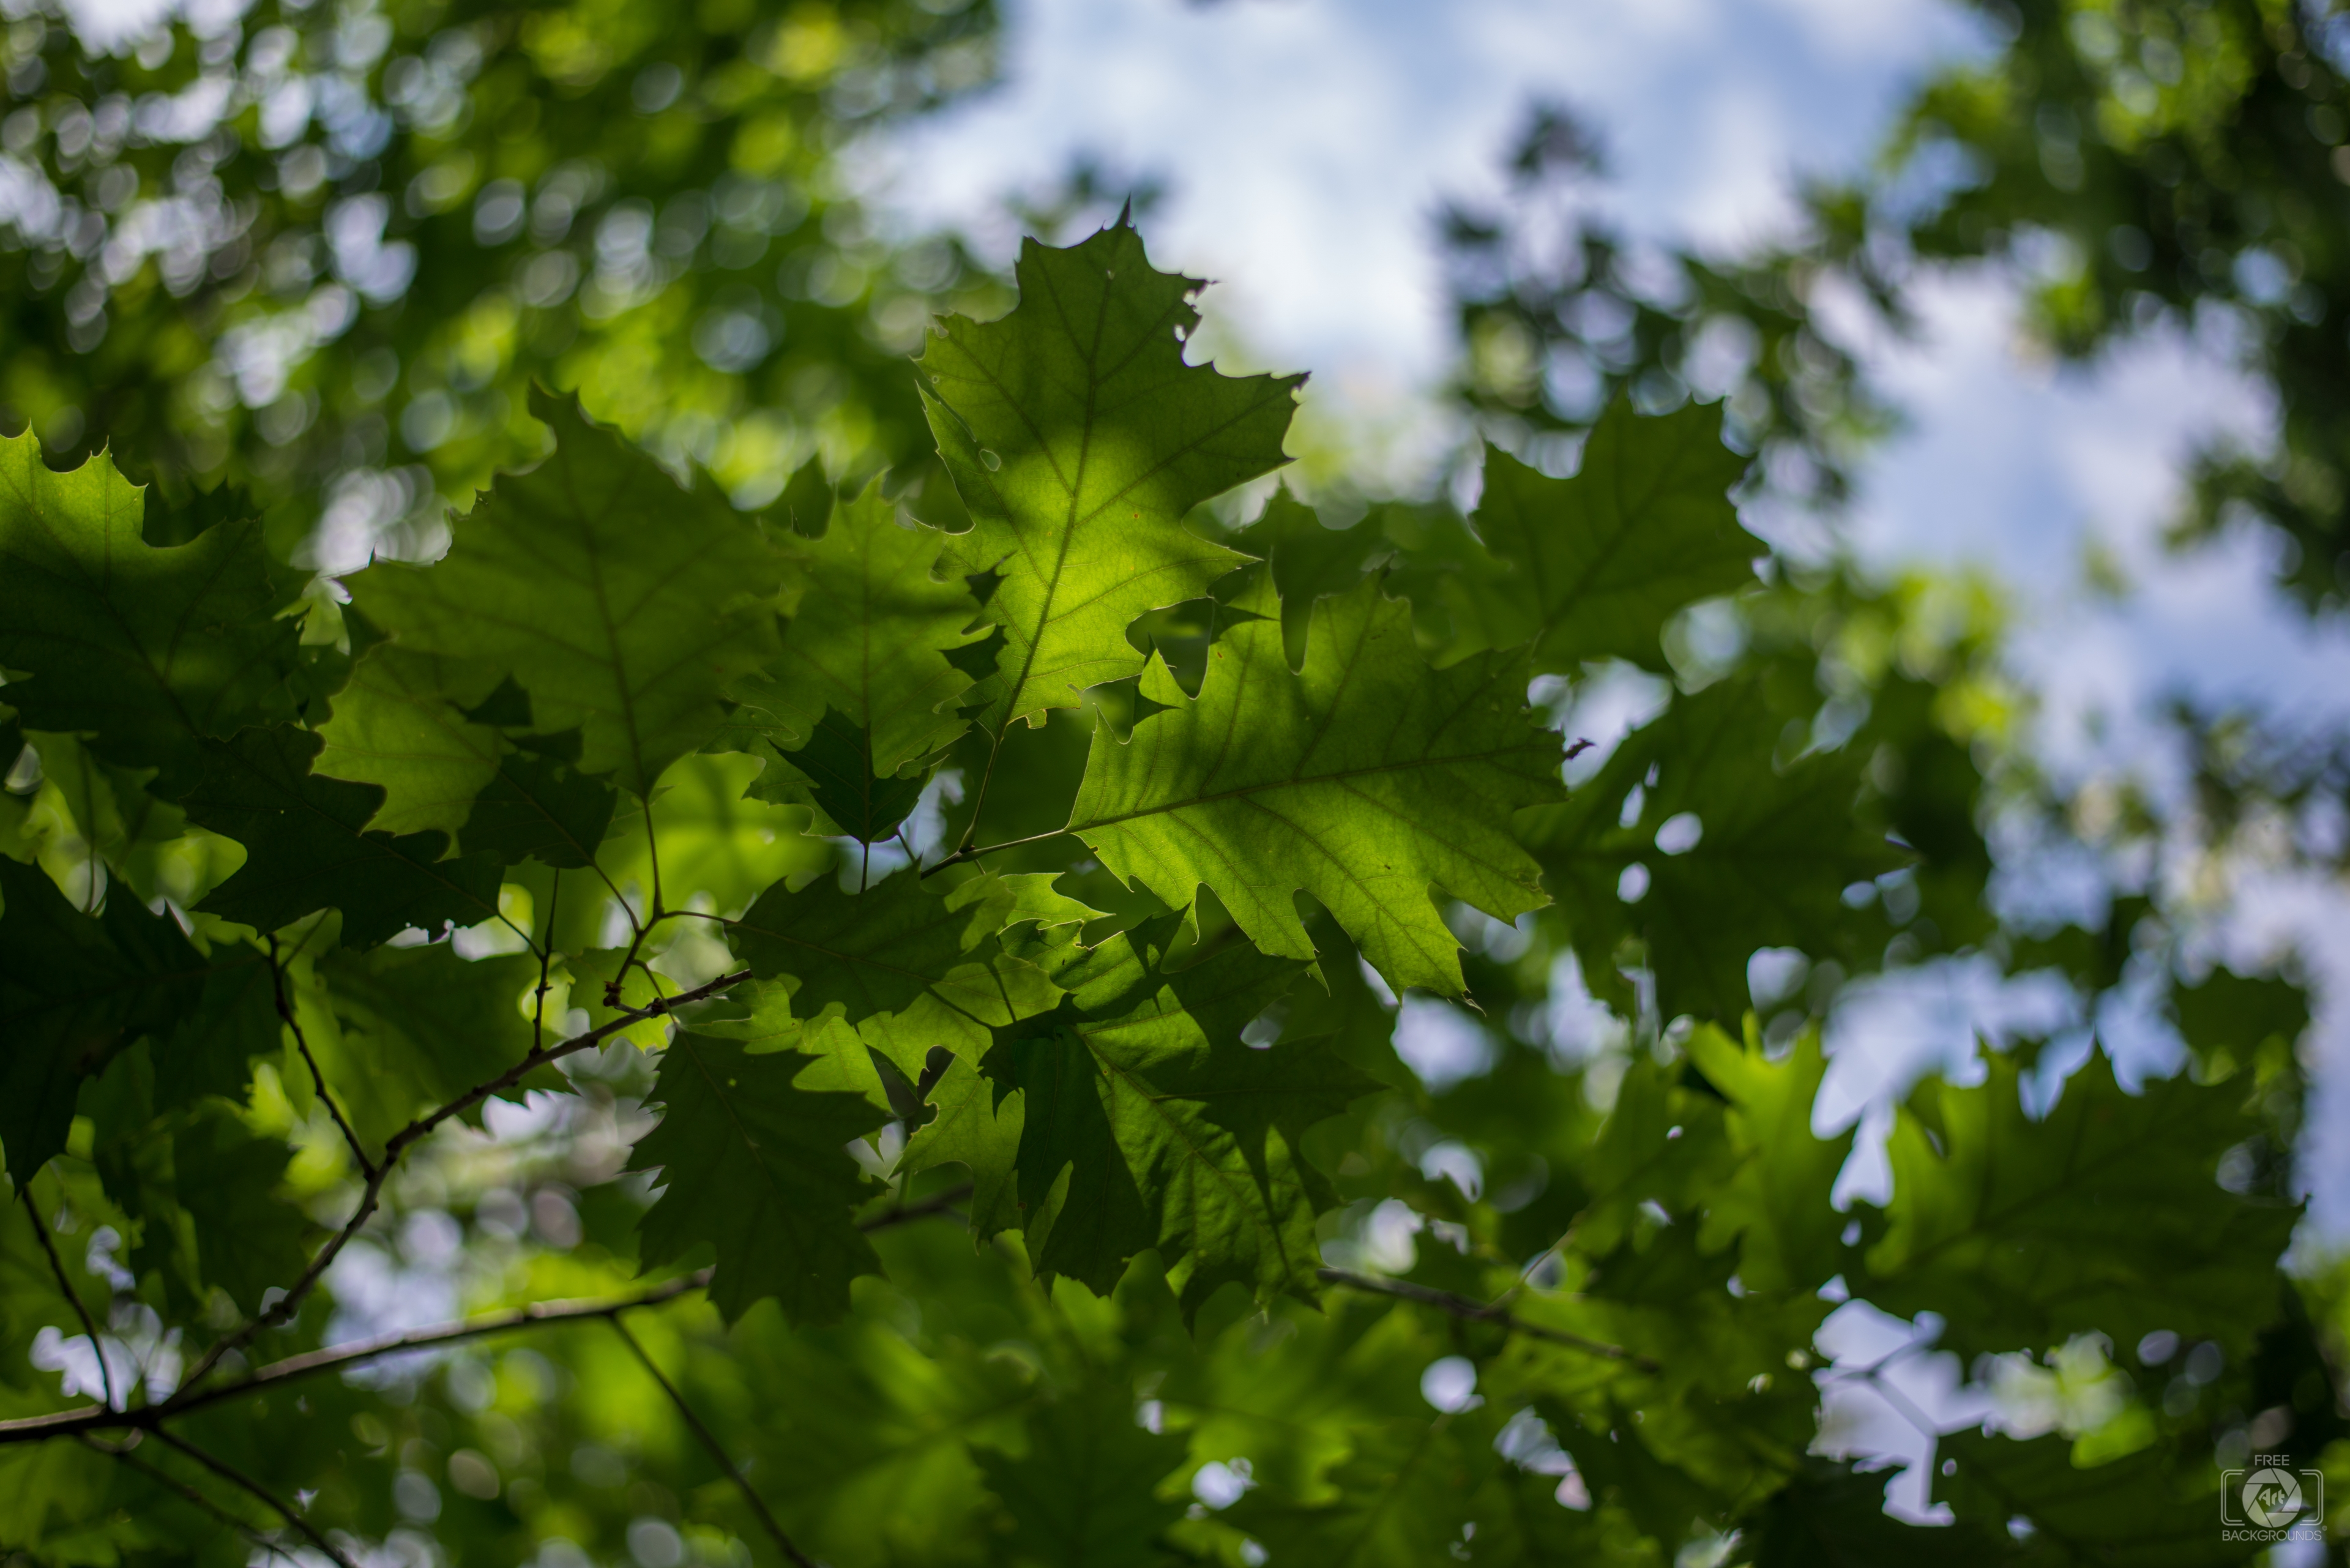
<point>1483,1312</point>
<point>408,1137</point>
<point>317,1078</point>
<point>717,1450</point>
<point>89,1419</point>
<point>65,1288</point>
<point>228,1472</point>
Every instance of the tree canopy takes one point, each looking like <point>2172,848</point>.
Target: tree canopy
<point>985,982</point>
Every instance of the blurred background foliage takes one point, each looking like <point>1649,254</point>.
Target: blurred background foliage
<point>321,251</point>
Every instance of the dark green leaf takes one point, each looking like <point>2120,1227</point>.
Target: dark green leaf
<point>2104,1216</point>
<point>1605,559</point>
<point>1775,850</point>
<point>148,648</point>
<point>74,991</point>
<point>307,845</point>
<point>620,602</point>
<point>755,1167</point>
<point>1084,1494</point>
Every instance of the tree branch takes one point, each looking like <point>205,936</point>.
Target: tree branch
<point>1482,1312</point>
<point>65,1288</point>
<point>228,1472</point>
<point>973,852</point>
<point>717,1450</point>
<point>408,1137</point>
<point>317,1078</point>
<point>68,1423</point>
<point>160,1477</point>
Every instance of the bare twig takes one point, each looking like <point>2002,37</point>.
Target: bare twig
<point>230,1473</point>
<point>709,1440</point>
<point>65,1288</point>
<point>68,1423</point>
<point>973,852</point>
<point>317,1078</point>
<point>125,1457</point>
<point>1482,1312</point>
<point>415,1131</point>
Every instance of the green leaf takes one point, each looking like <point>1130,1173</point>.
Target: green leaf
<point>756,1167</point>
<point>2135,1512</point>
<point>1084,1494</point>
<point>225,1180</point>
<point>1775,850</point>
<point>1831,1516</point>
<point>540,809</point>
<point>1078,438</point>
<point>1777,1201</point>
<point>620,602</point>
<point>977,1124</point>
<point>1605,559</point>
<point>148,647</point>
<point>2226,1010</point>
<point>420,1025</point>
<point>75,989</point>
<point>1402,1499</point>
<point>399,722</point>
<point>1367,780</point>
<point>838,762</point>
<point>807,501</point>
<point>2103,1216</point>
<point>212,1049</point>
<point>1311,562</point>
<point>883,950</point>
<point>870,639</point>
<point>307,847</point>
<point>1148,1123</point>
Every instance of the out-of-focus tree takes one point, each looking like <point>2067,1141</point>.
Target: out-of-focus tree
<point>321,251</point>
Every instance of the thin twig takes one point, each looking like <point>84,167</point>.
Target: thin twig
<point>67,1423</point>
<point>717,1449</point>
<point>546,956</point>
<point>406,1137</point>
<point>1482,1312</point>
<point>65,1288</point>
<point>970,852</point>
<point>228,1472</point>
<point>317,1078</point>
<point>162,1477</point>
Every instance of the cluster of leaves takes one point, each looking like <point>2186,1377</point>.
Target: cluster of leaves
<point>1089,873</point>
<point>291,244</point>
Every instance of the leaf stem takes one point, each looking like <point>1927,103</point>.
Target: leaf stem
<point>317,1078</point>
<point>65,1287</point>
<point>709,1440</point>
<point>970,853</point>
<point>546,958</point>
<point>230,1473</point>
<point>1482,1312</point>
